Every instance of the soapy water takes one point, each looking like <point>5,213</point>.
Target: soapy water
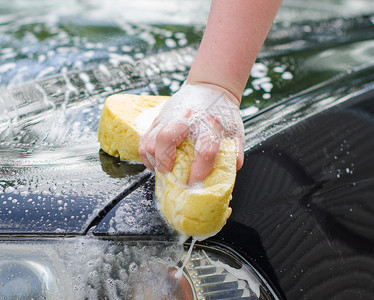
<point>86,268</point>
<point>51,39</point>
<point>167,286</point>
<point>137,215</point>
<point>128,269</point>
<point>179,273</point>
<point>239,273</point>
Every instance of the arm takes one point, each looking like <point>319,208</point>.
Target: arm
<point>234,34</point>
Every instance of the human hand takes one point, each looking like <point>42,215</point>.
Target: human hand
<point>202,112</point>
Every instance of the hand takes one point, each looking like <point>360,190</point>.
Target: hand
<point>202,112</point>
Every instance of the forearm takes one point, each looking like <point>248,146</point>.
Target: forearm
<point>234,34</point>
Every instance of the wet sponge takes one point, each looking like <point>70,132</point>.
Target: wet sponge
<point>199,211</point>
<point>121,126</point>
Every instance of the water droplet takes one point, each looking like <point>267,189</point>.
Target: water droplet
<point>9,189</point>
<point>247,92</point>
<point>287,76</point>
<point>133,267</point>
<point>170,43</point>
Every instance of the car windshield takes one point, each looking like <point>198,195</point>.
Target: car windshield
<point>59,60</point>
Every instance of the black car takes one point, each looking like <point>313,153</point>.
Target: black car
<point>76,223</point>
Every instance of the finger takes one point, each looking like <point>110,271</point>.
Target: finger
<point>144,158</point>
<point>206,150</point>
<point>167,141</point>
<point>146,149</point>
<point>239,153</point>
<point>215,125</point>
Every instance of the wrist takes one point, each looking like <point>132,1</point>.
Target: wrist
<point>226,92</point>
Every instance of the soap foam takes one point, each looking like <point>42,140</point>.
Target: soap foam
<point>186,259</point>
<point>145,119</point>
<point>241,273</point>
<point>200,109</point>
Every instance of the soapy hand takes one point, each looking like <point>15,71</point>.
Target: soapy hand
<point>204,113</point>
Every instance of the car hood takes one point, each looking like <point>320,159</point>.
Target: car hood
<point>69,197</point>
<point>54,178</point>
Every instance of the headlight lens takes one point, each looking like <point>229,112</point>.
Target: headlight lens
<point>221,273</point>
<point>30,271</point>
<point>89,268</point>
<point>23,280</point>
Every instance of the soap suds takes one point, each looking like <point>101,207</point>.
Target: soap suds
<point>241,273</point>
<point>145,119</point>
<point>179,273</point>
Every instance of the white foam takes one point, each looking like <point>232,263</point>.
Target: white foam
<point>179,273</point>
<point>241,273</point>
<point>6,67</point>
<point>145,119</point>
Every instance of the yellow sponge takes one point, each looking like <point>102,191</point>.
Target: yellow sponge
<point>199,211</point>
<point>121,124</point>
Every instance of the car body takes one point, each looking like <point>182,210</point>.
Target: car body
<point>77,223</point>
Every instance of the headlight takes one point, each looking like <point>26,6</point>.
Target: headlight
<point>30,270</point>
<point>90,268</point>
<point>24,279</point>
<point>220,273</point>
<point>212,273</point>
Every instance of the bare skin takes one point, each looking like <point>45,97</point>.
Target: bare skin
<point>233,37</point>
